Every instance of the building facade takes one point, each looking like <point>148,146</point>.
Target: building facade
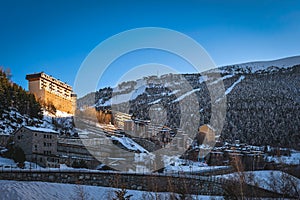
<point>49,90</point>
<point>120,118</point>
<point>39,145</point>
<point>137,128</point>
<point>71,150</point>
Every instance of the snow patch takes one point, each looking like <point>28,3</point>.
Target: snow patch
<point>275,181</point>
<point>294,159</point>
<point>234,84</point>
<point>186,94</point>
<point>129,144</point>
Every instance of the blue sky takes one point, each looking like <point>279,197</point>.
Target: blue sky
<point>55,36</point>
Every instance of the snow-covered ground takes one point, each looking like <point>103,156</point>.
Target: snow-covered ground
<point>275,181</point>
<point>21,190</point>
<point>8,164</point>
<point>57,114</point>
<point>14,120</point>
<point>181,165</point>
<point>129,144</point>
<point>294,159</point>
<point>62,118</point>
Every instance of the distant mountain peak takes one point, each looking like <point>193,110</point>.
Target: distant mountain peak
<point>260,66</point>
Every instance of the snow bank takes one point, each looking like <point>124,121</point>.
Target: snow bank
<point>275,181</point>
<point>294,159</point>
<point>42,190</point>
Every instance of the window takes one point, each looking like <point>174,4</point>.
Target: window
<point>19,137</point>
<point>47,144</point>
<point>47,152</point>
<point>35,147</point>
<point>35,134</point>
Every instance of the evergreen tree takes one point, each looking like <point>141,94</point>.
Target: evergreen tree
<point>14,96</point>
<point>19,155</point>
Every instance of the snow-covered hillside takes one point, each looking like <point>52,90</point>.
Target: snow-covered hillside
<point>275,181</point>
<point>128,91</point>
<point>13,120</point>
<point>262,100</point>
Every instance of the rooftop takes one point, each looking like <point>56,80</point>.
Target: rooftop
<point>48,77</point>
<point>39,129</point>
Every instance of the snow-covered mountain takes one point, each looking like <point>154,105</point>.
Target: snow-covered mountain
<point>262,98</point>
<point>261,66</point>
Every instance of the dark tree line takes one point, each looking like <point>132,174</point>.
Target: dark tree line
<point>14,96</point>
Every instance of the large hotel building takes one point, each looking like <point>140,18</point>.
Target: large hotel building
<point>51,90</point>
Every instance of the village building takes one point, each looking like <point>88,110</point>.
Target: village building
<point>137,128</point>
<point>39,145</point>
<point>165,135</point>
<point>72,150</point>
<point>49,90</point>
<point>203,143</point>
<point>120,118</point>
<point>242,156</point>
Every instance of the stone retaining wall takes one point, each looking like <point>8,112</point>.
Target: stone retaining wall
<point>188,184</point>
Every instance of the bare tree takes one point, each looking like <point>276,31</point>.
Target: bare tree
<point>285,184</point>
<point>80,193</point>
